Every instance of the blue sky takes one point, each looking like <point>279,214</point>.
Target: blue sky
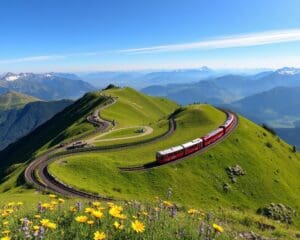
<point>83,35</point>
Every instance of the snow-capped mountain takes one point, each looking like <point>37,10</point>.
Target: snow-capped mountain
<point>46,86</point>
<point>288,71</point>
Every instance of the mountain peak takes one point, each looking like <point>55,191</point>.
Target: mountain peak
<point>288,71</point>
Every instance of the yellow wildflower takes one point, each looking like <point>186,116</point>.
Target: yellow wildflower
<point>54,203</point>
<point>5,238</point>
<point>60,200</point>
<point>36,228</point>
<point>89,210</point>
<point>5,223</point>
<point>97,214</point>
<point>116,225</point>
<point>52,195</point>
<point>37,216</point>
<point>167,204</point>
<point>193,211</point>
<point>81,219</point>
<point>218,228</point>
<point>90,222</point>
<point>115,211</point>
<point>6,232</point>
<point>46,205</point>
<point>99,235</point>
<point>44,221</point>
<point>11,204</point>
<point>96,204</point>
<point>73,209</point>
<point>137,226</point>
<point>51,225</point>
<point>19,203</point>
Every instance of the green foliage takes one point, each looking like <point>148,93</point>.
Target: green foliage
<point>16,123</point>
<point>160,220</point>
<point>13,99</point>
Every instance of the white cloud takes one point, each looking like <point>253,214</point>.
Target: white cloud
<point>31,59</point>
<point>246,40</point>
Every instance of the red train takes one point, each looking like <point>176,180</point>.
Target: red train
<point>195,145</point>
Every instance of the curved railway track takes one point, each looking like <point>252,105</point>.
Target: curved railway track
<point>155,164</point>
<point>37,173</point>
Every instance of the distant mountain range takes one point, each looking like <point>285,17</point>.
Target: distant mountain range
<point>203,91</point>
<point>47,86</point>
<point>223,89</point>
<point>17,122</point>
<point>13,99</point>
<point>279,106</point>
<point>139,80</point>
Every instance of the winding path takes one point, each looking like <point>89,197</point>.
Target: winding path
<point>37,173</point>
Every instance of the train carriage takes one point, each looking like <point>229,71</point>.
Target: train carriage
<point>170,154</point>
<point>193,146</point>
<point>228,124</point>
<point>213,136</point>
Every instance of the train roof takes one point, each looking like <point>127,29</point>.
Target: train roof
<point>170,150</point>
<point>228,121</point>
<point>213,133</point>
<point>192,143</point>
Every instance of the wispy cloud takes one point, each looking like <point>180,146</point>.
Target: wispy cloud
<point>31,59</point>
<point>246,40</point>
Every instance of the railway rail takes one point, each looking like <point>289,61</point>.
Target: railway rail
<point>37,173</point>
<point>44,181</point>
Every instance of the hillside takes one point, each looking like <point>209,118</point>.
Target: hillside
<point>71,123</point>
<point>279,107</point>
<point>14,100</point>
<point>16,123</point>
<point>271,168</point>
<point>49,86</point>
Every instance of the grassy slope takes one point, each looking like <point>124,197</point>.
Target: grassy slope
<point>15,100</point>
<point>196,181</point>
<point>63,126</point>
<point>136,109</point>
<point>199,180</point>
<point>191,123</point>
<point>66,125</point>
<point>120,133</point>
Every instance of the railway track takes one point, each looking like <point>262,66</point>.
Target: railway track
<point>37,173</point>
<point>154,164</point>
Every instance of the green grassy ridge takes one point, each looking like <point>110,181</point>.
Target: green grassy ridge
<point>136,109</point>
<point>133,108</point>
<point>67,125</point>
<point>199,180</point>
<point>14,99</point>
<point>64,125</point>
<point>107,163</point>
